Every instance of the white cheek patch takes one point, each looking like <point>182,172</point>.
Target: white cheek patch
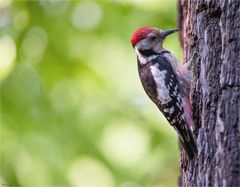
<point>141,58</point>
<point>159,78</point>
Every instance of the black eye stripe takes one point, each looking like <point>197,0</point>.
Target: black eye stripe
<point>148,52</point>
<point>152,37</point>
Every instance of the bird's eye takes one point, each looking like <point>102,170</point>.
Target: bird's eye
<point>152,38</point>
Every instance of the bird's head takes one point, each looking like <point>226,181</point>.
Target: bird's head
<point>149,39</point>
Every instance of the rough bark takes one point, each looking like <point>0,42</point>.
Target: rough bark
<point>210,37</point>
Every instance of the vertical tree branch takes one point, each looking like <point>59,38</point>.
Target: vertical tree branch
<point>210,37</point>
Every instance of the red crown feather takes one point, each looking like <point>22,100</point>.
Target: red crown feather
<point>140,34</point>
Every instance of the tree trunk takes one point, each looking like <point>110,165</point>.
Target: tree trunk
<point>210,37</point>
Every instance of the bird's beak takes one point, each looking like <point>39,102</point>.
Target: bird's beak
<point>167,32</point>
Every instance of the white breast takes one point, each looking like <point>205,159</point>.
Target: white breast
<point>159,78</point>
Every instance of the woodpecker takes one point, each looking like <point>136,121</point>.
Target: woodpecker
<point>166,82</point>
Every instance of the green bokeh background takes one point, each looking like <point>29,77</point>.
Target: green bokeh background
<point>73,111</point>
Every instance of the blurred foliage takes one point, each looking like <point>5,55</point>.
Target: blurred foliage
<point>73,111</point>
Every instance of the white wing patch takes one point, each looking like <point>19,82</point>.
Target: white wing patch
<point>169,110</point>
<point>159,78</point>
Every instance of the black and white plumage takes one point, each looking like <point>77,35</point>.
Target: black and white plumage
<point>166,82</point>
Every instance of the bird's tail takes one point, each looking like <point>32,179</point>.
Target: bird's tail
<point>187,140</point>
